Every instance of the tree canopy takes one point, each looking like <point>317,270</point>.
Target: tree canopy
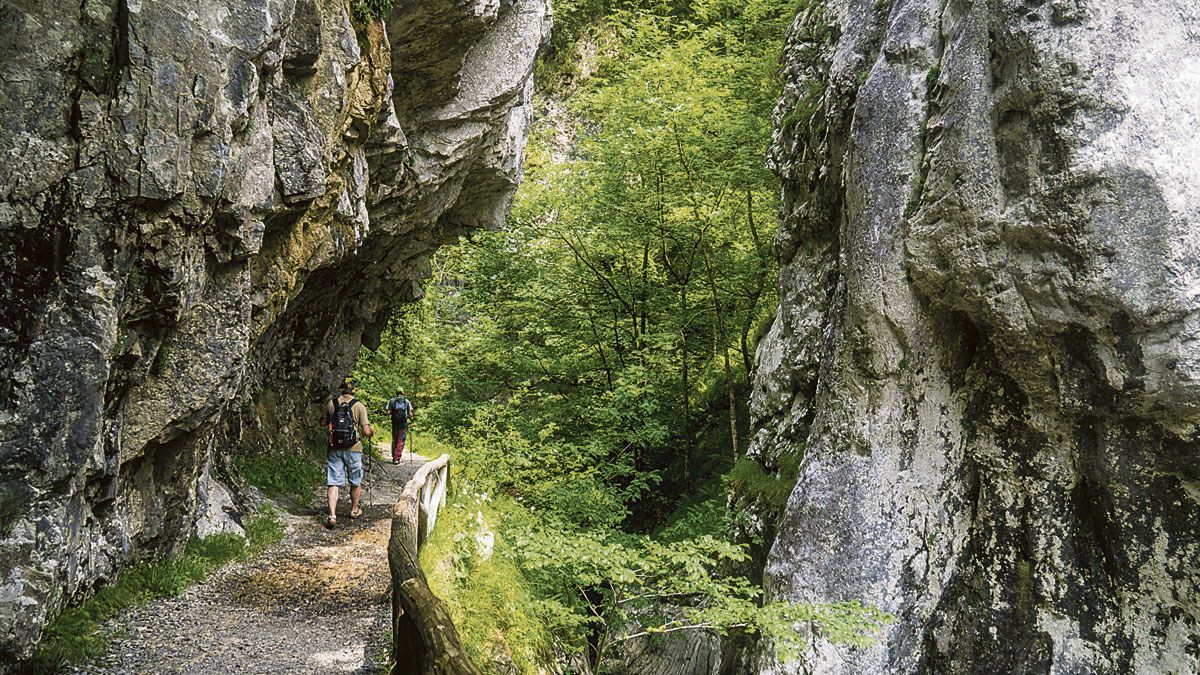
<point>591,359</point>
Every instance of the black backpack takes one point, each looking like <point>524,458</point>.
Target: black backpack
<point>342,433</point>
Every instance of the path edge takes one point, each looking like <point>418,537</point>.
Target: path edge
<point>424,639</point>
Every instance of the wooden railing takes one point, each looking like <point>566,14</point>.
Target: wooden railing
<point>424,640</point>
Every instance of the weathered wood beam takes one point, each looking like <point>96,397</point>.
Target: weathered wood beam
<point>425,641</point>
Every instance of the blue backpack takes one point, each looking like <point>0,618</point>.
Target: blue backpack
<point>399,407</point>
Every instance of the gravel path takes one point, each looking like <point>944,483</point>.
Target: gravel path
<point>316,603</point>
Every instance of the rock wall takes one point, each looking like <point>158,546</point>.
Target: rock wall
<point>988,346</point>
<point>206,207</point>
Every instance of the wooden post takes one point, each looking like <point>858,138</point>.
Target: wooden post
<point>425,641</point>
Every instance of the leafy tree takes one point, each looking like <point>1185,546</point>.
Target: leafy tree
<point>622,588</point>
<point>589,359</point>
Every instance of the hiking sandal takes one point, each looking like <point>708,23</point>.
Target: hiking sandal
<point>330,521</point>
<point>355,514</point>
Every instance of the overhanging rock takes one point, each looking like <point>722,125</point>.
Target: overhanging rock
<point>206,207</point>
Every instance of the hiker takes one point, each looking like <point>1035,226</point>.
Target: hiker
<point>344,417</point>
<point>401,410</point>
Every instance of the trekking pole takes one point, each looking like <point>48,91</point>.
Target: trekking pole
<point>367,450</point>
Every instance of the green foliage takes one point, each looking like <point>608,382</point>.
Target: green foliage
<point>76,635</point>
<point>621,587</point>
<point>585,360</point>
<point>807,109</point>
<point>369,10</point>
<point>519,588</point>
<point>577,484</point>
<point>710,517</point>
<point>279,474</point>
<point>494,609</point>
<point>551,581</point>
<point>606,323</point>
<point>263,531</point>
<point>931,77</point>
<point>159,365</point>
<point>768,491</point>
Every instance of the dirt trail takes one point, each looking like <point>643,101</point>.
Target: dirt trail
<point>316,603</point>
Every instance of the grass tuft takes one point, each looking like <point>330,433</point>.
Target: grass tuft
<point>77,634</point>
<point>280,475</point>
<point>262,532</point>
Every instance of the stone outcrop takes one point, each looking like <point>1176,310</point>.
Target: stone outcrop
<point>988,345</point>
<point>206,207</point>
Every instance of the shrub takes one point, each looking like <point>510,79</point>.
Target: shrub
<point>369,10</point>
<point>281,475</point>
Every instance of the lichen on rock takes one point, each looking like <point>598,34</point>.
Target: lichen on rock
<point>205,209</point>
<point>986,348</point>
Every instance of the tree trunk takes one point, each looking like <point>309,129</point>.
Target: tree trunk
<point>760,283</point>
<point>723,336</point>
<point>687,403</point>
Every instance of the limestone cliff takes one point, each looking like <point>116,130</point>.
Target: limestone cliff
<point>206,206</point>
<point>988,347</point>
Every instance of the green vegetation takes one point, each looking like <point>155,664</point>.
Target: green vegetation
<point>369,10</point>
<point>530,558</point>
<point>625,587</point>
<point>76,635</point>
<point>283,474</point>
<point>767,492</point>
<point>932,77</point>
<point>494,607</point>
<point>262,532</point>
<point>160,359</point>
<point>590,361</point>
<point>617,314</point>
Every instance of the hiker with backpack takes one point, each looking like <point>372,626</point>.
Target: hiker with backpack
<point>344,417</point>
<point>401,410</point>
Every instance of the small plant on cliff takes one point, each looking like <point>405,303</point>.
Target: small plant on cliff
<point>281,474</point>
<point>369,10</point>
<point>764,491</point>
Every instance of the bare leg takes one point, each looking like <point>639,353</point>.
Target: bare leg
<point>355,493</point>
<point>333,499</point>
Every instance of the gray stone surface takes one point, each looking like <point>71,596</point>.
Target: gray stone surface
<point>988,345</point>
<point>206,207</point>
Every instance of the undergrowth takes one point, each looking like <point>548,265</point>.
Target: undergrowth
<point>489,598</point>
<point>282,475</point>
<point>750,481</point>
<point>77,635</point>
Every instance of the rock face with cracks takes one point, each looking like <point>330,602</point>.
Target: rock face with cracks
<point>206,207</point>
<point>988,346</point>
